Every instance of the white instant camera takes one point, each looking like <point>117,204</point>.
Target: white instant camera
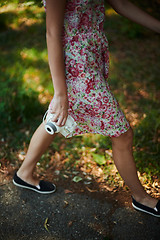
<point>52,128</point>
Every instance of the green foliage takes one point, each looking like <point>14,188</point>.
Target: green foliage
<point>26,2</point>
<point>21,65</point>
<point>3,22</point>
<point>146,138</point>
<point>130,29</point>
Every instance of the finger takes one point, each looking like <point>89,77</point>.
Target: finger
<point>55,118</point>
<point>61,121</point>
<point>64,121</point>
<point>52,110</point>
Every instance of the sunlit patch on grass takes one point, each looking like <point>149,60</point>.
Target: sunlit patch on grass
<point>110,12</point>
<point>21,15</point>
<point>32,79</point>
<point>133,117</point>
<point>34,55</point>
<point>45,97</point>
<point>9,7</point>
<point>23,22</point>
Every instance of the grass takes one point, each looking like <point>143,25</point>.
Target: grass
<point>27,89</point>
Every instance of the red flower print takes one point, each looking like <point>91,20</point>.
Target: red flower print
<point>88,90</point>
<point>105,99</point>
<point>70,6</point>
<point>102,125</point>
<point>99,103</point>
<point>80,67</point>
<point>82,75</point>
<point>74,72</point>
<point>105,115</point>
<point>72,62</point>
<point>75,38</point>
<point>104,107</point>
<point>84,19</point>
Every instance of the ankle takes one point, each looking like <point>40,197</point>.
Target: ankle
<point>28,177</point>
<point>24,174</point>
<point>146,200</point>
<point>140,198</point>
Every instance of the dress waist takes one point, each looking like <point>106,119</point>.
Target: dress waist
<point>83,35</point>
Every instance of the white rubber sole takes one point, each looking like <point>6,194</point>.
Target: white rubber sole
<point>36,190</point>
<point>139,209</point>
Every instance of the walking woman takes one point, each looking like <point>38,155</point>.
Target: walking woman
<point>79,64</point>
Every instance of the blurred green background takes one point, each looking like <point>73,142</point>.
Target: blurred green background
<point>26,89</point>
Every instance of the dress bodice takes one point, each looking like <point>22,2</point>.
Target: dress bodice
<point>83,16</point>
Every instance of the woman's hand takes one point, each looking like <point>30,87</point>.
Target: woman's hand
<point>59,107</point>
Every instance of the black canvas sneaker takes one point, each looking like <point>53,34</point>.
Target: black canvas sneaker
<point>152,211</point>
<point>44,187</point>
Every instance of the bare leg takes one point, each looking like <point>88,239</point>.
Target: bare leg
<point>124,161</point>
<point>38,144</point>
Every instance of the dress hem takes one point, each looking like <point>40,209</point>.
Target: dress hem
<point>107,135</point>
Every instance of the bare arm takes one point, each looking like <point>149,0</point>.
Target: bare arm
<point>130,11</point>
<point>54,24</point>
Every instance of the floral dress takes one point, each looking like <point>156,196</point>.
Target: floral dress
<point>91,103</point>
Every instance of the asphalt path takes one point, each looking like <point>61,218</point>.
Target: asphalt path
<point>65,215</point>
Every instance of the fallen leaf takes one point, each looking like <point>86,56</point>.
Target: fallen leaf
<point>65,176</point>
<point>77,179</point>
<point>67,191</point>
<point>46,225</point>
<point>65,204</point>
<point>91,190</point>
<point>99,159</point>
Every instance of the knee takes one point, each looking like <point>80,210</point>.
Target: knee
<point>123,141</point>
<point>128,136</point>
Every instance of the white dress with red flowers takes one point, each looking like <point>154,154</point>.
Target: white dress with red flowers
<point>91,103</point>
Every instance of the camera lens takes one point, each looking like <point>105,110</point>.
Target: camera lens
<point>50,128</point>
